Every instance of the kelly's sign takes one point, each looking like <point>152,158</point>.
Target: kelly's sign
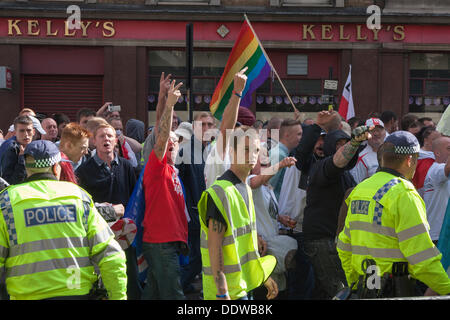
<point>42,28</point>
<point>54,28</point>
<point>342,32</point>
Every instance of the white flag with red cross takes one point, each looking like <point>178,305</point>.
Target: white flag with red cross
<point>346,108</point>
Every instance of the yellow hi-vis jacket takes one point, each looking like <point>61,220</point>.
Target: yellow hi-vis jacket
<point>387,222</point>
<point>50,235</point>
<point>244,269</point>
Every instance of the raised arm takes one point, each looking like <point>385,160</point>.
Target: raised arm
<point>345,153</point>
<point>100,112</point>
<point>135,145</point>
<point>328,120</point>
<point>266,174</point>
<point>230,113</point>
<point>164,86</point>
<point>165,124</point>
<point>325,120</point>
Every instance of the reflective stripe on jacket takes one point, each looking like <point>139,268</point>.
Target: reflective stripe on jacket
<point>244,269</point>
<point>386,221</point>
<point>50,235</point>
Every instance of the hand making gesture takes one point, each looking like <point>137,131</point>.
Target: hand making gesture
<point>173,93</point>
<point>239,81</point>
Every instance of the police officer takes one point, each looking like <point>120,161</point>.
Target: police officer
<point>387,226</point>
<point>51,235</point>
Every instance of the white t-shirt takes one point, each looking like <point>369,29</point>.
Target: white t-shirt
<point>215,166</point>
<point>266,208</point>
<point>292,199</point>
<point>423,154</point>
<point>131,154</point>
<point>436,195</point>
<point>366,165</point>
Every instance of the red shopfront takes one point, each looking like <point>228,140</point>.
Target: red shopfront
<point>57,69</point>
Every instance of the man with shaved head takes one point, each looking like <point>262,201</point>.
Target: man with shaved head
<point>437,186</point>
<point>51,128</point>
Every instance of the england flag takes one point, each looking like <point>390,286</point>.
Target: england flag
<point>346,108</point>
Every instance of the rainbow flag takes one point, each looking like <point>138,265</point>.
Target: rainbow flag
<point>246,52</point>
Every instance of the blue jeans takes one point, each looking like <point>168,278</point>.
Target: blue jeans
<point>163,276</point>
<point>329,277</point>
<point>134,289</point>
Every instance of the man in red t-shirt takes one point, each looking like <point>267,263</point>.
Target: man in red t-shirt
<point>165,222</point>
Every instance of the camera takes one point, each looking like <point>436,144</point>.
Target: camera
<point>112,108</point>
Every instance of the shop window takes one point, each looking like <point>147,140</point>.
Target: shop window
<point>207,70</point>
<point>429,82</point>
<point>306,94</point>
<point>303,78</point>
<point>304,86</point>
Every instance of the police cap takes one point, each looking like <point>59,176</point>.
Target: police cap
<point>404,142</point>
<point>45,154</point>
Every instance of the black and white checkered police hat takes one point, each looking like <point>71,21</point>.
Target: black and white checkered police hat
<point>404,142</point>
<point>45,154</point>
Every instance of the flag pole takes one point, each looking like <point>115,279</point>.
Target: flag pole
<point>270,63</point>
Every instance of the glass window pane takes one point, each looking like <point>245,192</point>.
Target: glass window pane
<point>429,61</point>
<point>415,87</point>
<point>204,85</point>
<point>167,61</point>
<point>436,88</point>
<point>309,86</point>
<point>209,63</point>
<point>276,88</point>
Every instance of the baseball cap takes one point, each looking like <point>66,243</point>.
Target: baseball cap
<point>373,122</point>
<point>45,154</point>
<point>185,130</point>
<point>404,142</point>
<point>37,125</point>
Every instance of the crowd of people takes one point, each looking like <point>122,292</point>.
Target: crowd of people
<point>255,209</point>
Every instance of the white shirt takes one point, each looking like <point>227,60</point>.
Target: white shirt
<point>266,212</point>
<point>436,195</point>
<point>131,154</point>
<point>423,154</point>
<point>366,165</point>
<point>215,166</point>
<point>267,227</point>
<point>292,199</point>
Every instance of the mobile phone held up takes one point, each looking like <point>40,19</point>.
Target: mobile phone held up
<point>112,108</point>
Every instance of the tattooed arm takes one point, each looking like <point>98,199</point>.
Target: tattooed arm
<point>345,153</point>
<point>216,232</point>
<point>165,123</point>
<point>164,86</point>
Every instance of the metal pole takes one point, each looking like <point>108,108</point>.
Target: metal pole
<point>189,63</point>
